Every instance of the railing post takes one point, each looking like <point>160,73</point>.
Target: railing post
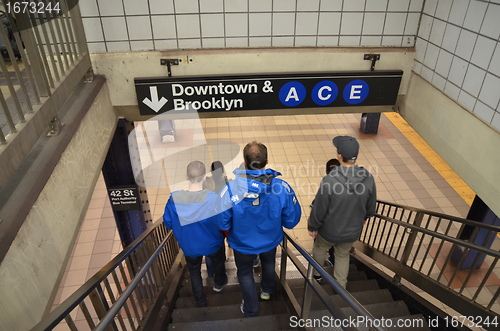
<point>100,305</point>
<point>42,84</point>
<point>411,238</point>
<point>306,301</point>
<point>284,258</point>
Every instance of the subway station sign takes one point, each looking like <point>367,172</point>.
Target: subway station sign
<point>273,91</point>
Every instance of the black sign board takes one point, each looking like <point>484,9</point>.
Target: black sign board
<point>273,91</point>
<point>124,198</point>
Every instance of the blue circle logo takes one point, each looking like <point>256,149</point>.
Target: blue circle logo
<point>356,92</point>
<point>292,94</point>
<point>324,93</point>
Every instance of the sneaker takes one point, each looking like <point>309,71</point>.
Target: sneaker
<point>265,295</point>
<point>218,288</point>
<point>241,306</point>
<point>318,278</point>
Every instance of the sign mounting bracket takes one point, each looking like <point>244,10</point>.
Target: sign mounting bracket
<point>169,63</point>
<point>372,57</point>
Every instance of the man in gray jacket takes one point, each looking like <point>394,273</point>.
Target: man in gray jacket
<point>345,199</point>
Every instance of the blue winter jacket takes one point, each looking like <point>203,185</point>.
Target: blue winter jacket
<point>255,207</point>
<point>191,215</point>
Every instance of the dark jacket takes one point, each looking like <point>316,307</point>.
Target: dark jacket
<point>345,199</point>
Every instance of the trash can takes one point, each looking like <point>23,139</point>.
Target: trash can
<point>167,130</point>
<point>369,122</point>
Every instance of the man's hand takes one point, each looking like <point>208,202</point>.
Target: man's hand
<point>313,234</point>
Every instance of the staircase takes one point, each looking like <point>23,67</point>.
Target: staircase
<point>223,310</point>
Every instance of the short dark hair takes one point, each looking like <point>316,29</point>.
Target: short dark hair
<point>255,155</point>
<point>196,171</point>
<point>332,163</point>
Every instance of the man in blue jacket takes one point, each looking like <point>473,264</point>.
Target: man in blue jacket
<point>191,215</point>
<point>255,208</point>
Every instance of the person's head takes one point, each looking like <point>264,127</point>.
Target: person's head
<point>217,169</point>
<point>196,172</point>
<point>347,148</point>
<point>332,163</point>
<point>255,155</point>
<point>209,184</point>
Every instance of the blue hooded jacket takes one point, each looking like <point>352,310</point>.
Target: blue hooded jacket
<point>191,215</point>
<point>255,207</point>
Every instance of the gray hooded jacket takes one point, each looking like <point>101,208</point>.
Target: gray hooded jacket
<point>345,199</point>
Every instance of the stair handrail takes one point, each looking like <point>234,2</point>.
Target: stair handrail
<point>442,215</point>
<point>160,237</point>
<point>406,257</point>
<point>460,242</point>
<point>313,264</point>
<point>118,304</point>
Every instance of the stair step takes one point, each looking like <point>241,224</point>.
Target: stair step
<point>186,291</point>
<point>223,298</point>
<point>365,298</point>
<point>352,286</point>
<point>184,315</point>
<point>268,322</point>
<point>385,309</point>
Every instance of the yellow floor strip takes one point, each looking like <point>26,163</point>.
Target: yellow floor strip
<point>437,162</point>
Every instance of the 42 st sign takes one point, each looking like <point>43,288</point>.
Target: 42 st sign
<point>274,91</point>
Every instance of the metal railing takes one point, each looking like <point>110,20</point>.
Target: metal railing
<point>425,248</point>
<point>41,47</point>
<point>121,295</point>
<point>311,288</point>
<point>44,57</point>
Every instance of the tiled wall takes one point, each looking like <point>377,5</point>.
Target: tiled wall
<point>457,48</point>
<point>130,25</point>
<point>458,52</point>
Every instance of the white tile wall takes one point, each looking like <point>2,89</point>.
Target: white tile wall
<point>260,6</point>
<point>164,26</point>
<point>160,6</point>
<point>483,52</point>
<point>308,5</point>
<point>398,5</point>
<point>283,24</point>
<point>110,7</point>
<point>93,29</point>
<point>136,7</point>
<point>115,28</point>
<point>373,23</point>
<point>456,41</point>
<point>212,25</point>
<point>468,62</point>
<point>329,24</point>
<point>473,80</point>
<point>236,25</point>
<point>212,6</point>
<point>284,5</point>
<point>260,24</point>
<point>139,28</point>
<point>306,24</point>
<point>388,23</point>
<point>351,24</point>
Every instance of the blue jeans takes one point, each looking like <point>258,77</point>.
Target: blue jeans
<point>194,267</point>
<point>244,263</point>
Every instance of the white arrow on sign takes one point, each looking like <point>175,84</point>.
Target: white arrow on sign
<point>154,103</point>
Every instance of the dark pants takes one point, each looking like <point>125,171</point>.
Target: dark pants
<point>244,262</point>
<point>194,267</point>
